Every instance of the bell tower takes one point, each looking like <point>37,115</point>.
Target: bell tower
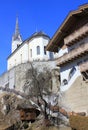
<point>16,38</point>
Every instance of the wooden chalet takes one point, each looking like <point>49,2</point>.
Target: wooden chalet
<point>74,30</point>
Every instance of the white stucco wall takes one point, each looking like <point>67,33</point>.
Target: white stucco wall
<point>18,57</point>
<point>15,44</point>
<point>41,42</point>
<point>65,69</point>
<point>22,53</point>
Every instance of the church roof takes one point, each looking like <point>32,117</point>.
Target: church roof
<point>38,34</point>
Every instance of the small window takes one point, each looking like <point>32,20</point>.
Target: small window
<point>45,50</point>
<point>65,82</point>
<point>85,75</point>
<point>73,70</point>
<point>51,55</point>
<point>38,50</point>
<point>30,52</point>
<point>18,45</point>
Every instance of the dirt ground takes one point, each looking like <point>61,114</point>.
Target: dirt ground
<point>65,128</point>
<point>51,128</point>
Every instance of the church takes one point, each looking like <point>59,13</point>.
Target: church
<point>31,49</point>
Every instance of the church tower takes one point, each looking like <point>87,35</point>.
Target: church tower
<point>16,38</point>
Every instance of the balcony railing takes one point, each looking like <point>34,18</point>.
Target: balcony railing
<point>76,36</point>
<point>81,50</point>
<point>83,67</point>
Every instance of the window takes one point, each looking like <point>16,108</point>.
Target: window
<point>45,50</point>
<point>18,45</point>
<point>51,55</point>
<point>30,52</point>
<point>38,50</point>
<point>85,75</point>
<point>72,72</point>
<point>64,82</point>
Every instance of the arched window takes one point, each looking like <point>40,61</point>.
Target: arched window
<point>38,50</point>
<point>73,70</point>
<point>45,50</point>
<point>64,82</point>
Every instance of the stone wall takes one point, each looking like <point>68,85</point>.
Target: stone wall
<point>22,75</point>
<point>19,75</point>
<point>7,79</point>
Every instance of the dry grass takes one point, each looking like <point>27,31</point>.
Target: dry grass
<point>79,122</point>
<point>39,125</point>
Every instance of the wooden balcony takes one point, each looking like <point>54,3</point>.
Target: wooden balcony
<point>83,67</point>
<point>68,57</point>
<point>76,36</point>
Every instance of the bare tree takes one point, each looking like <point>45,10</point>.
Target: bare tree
<point>38,87</point>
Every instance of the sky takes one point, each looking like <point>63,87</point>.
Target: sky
<point>33,15</point>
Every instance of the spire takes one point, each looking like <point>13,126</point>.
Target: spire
<point>17,35</point>
<point>16,38</point>
<point>17,28</point>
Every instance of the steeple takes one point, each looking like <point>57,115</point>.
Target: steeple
<point>17,28</point>
<point>16,38</point>
<point>17,35</point>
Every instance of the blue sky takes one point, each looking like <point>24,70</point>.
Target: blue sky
<point>45,15</point>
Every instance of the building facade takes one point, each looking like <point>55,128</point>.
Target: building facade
<point>32,49</point>
<point>71,39</point>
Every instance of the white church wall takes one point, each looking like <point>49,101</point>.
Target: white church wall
<point>33,44</point>
<point>15,44</point>
<point>47,55</point>
<point>18,57</point>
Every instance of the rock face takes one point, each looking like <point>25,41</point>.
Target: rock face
<point>55,80</point>
<point>18,76</point>
<point>7,109</point>
<point>23,75</point>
